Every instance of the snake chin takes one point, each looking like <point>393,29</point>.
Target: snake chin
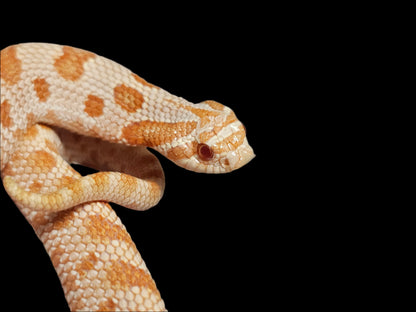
<point>239,157</point>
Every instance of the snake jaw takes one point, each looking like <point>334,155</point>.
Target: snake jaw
<point>225,152</point>
<point>220,163</point>
<point>215,145</point>
<point>239,157</point>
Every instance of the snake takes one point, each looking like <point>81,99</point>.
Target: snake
<point>62,105</point>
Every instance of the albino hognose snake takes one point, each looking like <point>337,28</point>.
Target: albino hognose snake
<point>62,105</point>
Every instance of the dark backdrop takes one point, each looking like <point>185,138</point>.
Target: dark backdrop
<point>209,242</point>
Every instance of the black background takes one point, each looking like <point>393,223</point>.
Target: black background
<point>288,229</point>
<point>213,241</point>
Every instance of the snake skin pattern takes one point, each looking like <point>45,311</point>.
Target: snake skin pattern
<point>62,105</point>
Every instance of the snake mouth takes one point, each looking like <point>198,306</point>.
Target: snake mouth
<point>228,162</point>
<point>246,154</point>
<point>238,158</point>
<point>232,159</point>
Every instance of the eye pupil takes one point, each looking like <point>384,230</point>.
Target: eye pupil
<point>205,152</point>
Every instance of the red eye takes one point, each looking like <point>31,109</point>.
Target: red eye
<point>205,152</point>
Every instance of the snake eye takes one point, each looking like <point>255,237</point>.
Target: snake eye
<point>205,152</point>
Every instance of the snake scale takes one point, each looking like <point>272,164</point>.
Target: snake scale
<point>62,105</point>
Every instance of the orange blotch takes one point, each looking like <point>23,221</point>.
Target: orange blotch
<point>94,106</point>
<point>67,180</point>
<point>144,82</point>
<point>123,275</point>
<point>11,66</point>
<point>230,119</point>
<point>51,146</point>
<point>205,136</point>
<point>5,119</point>
<point>102,231</point>
<point>31,133</point>
<point>200,112</point>
<point>108,305</point>
<point>63,219</point>
<point>152,133</point>
<point>36,186</point>
<point>71,64</point>
<point>31,119</point>
<point>128,98</point>
<point>101,178</point>
<point>120,274</point>
<point>41,161</point>
<point>77,188</point>
<point>217,126</point>
<point>231,142</point>
<point>215,105</point>
<point>41,88</point>
<point>182,152</point>
<point>38,220</point>
<point>56,255</point>
<point>87,264</point>
<point>226,162</point>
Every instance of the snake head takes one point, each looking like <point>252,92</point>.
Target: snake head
<point>218,143</point>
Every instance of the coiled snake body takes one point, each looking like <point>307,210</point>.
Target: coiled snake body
<point>62,105</point>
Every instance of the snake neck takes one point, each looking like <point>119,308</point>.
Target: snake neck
<point>93,96</point>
